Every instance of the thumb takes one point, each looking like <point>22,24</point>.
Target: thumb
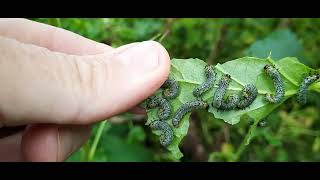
<point>42,86</point>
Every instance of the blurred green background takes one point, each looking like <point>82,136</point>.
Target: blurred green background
<point>290,133</point>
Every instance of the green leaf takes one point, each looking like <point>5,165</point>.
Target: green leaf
<point>136,135</point>
<point>118,149</point>
<point>190,73</point>
<point>54,22</point>
<point>281,43</point>
<point>250,70</point>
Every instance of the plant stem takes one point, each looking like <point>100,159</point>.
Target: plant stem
<point>54,22</point>
<point>284,23</point>
<point>246,140</point>
<point>163,36</point>
<point>130,123</point>
<point>167,29</point>
<point>155,37</point>
<point>96,140</point>
<point>85,152</point>
<point>217,45</point>
<point>204,128</point>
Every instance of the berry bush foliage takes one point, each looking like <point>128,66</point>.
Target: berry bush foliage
<point>190,73</point>
<point>214,105</point>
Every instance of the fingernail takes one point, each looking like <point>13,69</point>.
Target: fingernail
<point>143,56</point>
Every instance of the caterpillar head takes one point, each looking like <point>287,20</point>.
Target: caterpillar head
<point>203,104</point>
<point>208,68</point>
<point>167,92</point>
<point>246,93</point>
<point>156,124</point>
<point>230,103</point>
<point>152,102</point>
<point>268,67</point>
<point>271,70</point>
<point>168,82</point>
<point>226,78</point>
<point>248,90</point>
<point>313,77</point>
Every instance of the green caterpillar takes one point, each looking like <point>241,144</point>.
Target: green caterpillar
<point>249,94</point>
<point>210,75</point>
<point>272,72</point>
<point>186,108</point>
<point>167,135</point>
<point>231,102</point>
<point>171,88</point>
<point>303,88</point>
<point>221,90</point>
<point>164,111</point>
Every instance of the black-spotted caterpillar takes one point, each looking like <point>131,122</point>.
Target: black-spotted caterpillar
<point>164,111</point>
<point>221,90</point>
<point>171,91</point>
<point>210,75</point>
<point>303,88</point>
<point>186,108</point>
<point>166,136</point>
<point>153,101</point>
<point>171,88</point>
<point>272,72</point>
<point>230,103</point>
<point>249,94</point>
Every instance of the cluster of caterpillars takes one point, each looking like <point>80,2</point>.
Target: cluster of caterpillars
<point>171,90</point>
<point>249,93</point>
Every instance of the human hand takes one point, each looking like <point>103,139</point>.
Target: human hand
<point>58,84</point>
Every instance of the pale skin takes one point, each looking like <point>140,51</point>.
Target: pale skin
<point>58,84</point>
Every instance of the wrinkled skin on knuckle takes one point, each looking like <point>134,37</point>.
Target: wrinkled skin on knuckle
<point>91,82</point>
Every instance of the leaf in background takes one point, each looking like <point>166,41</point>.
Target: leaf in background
<point>77,156</point>
<point>281,43</point>
<point>136,135</point>
<point>117,149</point>
<point>190,73</point>
<point>120,144</point>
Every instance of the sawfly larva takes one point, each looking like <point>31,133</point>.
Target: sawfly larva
<point>303,88</point>
<point>249,94</point>
<point>167,135</point>
<point>210,75</point>
<point>230,103</point>
<point>186,108</point>
<point>272,72</point>
<point>171,88</point>
<point>221,90</point>
<point>164,111</point>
